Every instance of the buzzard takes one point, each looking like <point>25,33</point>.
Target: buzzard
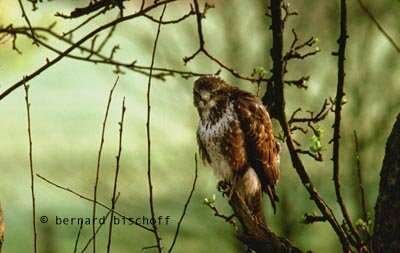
<point>235,138</point>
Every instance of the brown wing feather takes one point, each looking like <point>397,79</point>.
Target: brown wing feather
<point>262,149</point>
<point>233,147</point>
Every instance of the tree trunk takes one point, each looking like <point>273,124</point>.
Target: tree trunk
<point>386,237</point>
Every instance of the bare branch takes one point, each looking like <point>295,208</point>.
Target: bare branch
<point>379,26</point>
<point>117,167</point>
<point>149,176</point>
<point>202,49</point>
<point>25,16</point>
<point>186,206</point>
<point>99,227</point>
<point>275,101</point>
<point>338,113</point>
<point>28,115</point>
<point>99,161</point>
<point>50,63</point>
<point>93,6</point>
<point>78,237</point>
<point>91,200</point>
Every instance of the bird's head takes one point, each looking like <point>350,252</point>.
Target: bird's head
<point>208,91</point>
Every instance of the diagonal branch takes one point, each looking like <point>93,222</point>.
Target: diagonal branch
<point>88,36</point>
<point>379,26</point>
<point>91,200</point>
<point>186,206</point>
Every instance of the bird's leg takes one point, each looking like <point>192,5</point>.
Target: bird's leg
<point>224,187</point>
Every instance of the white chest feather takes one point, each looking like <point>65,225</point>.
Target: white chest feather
<point>211,134</point>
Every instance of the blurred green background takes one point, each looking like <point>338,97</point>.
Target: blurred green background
<point>68,104</point>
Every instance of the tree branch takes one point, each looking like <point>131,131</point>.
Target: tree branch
<point>338,115</point>
<point>50,63</point>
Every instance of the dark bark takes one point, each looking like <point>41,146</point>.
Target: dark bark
<point>386,237</point>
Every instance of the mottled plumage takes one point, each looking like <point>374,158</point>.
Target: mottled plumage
<point>235,138</point>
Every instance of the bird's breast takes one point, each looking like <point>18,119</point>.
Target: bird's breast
<point>212,133</point>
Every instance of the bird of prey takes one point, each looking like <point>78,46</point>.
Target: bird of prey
<point>235,138</point>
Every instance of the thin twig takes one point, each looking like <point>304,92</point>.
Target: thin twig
<point>99,161</point>
<point>25,16</point>
<point>186,205</point>
<point>28,114</point>
<point>202,49</point>
<point>117,167</point>
<point>228,219</point>
<point>91,200</point>
<point>363,201</point>
<point>78,237</point>
<point>174,21</point>
<point>83,23</point>
<point>338,113</point>
<point>148,96</point>
<point>379,26</point>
